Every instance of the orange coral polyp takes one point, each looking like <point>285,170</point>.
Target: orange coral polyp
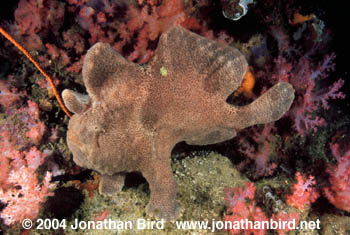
<point>299,18</point>
<point>247,85</point>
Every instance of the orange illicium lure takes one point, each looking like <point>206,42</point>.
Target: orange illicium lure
<point>247,85</point>
<point>48,78</point>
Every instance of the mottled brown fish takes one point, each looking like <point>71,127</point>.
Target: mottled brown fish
<point>133,115</point>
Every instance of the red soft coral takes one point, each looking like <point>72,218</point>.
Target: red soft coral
<point>27,16</point>
<point>241,206</point>
<point>27,124</point>
<point>303,192</point>
<point>288,219</point>
<point>149,21</point>
<point>8,95</point>
<point>38,17</point>
<point>56,53</point>
<point>339,192</point>
<point>20,189</point>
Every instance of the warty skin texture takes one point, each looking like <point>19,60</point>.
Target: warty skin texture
<point>134,115</point>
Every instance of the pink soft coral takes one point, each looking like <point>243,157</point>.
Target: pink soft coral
<point>36,132</point>
<point>311,98</point>
<point>24,198</point>
<point>261,151</point>
<point>339,192</point>
<point>307,77</point>
<point>34,158</point>
<point>20,189</point>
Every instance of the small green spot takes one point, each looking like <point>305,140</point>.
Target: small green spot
<point>163,71</point>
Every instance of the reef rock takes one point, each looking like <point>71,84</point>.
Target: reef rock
<point>133,115</point>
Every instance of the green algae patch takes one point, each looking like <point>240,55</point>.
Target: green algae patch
<point>163,71</point>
